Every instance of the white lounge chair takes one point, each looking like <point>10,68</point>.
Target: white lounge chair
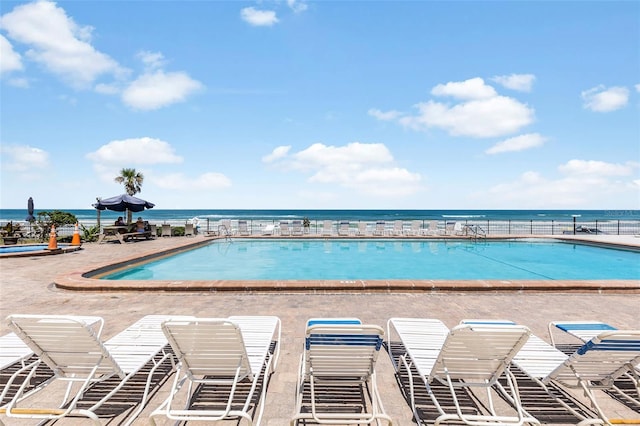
<point>12,350</point>
<point>15,358</point>
<point>344,228</point>
<point>469,356</point>
<point>337,373</point>
<point>362,229</point>
<point>189,230</point>
<point>327,228</point>
<point>582,330</point>
<point>433,228</point>
<point>269,229</point>
<point>229,359</point>
<point>593,366</point>
<point>166,230</point>
<point>398,227</point>
<point>296,227</point>
<point>626,387</point>
<point>415,229</point>
<point>284,228</point>
<point>243,229</point>
<point>71,346</point>
<point>380,228</point>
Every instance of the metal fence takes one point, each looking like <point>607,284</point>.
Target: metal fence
<point>407,227</point>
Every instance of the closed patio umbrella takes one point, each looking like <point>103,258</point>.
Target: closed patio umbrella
<point>30,210</point>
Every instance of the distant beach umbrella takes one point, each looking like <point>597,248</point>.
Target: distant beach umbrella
<point>30,210</point>
<point>122,203</point>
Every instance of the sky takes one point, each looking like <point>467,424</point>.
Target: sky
<point>294,104</point>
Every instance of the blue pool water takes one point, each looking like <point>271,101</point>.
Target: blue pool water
<point>275,259</point>
<point>22,248</point>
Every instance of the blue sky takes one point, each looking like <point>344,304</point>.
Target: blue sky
<point>321,105</point>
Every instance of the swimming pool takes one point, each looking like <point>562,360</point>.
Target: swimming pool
<point>22,248</point>
<point>26,250</point>
<point>286,259</point>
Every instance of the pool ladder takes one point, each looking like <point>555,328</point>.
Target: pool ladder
<point>224,230</point>
<point>475,232</point>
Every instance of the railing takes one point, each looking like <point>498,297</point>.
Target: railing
<point>475,228</point>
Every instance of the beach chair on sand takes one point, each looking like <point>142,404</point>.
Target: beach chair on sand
<point>230,360</point>
<point>593,366</point>
<point>467,357</point>
<point>71,346</point>
<point>336,379</point>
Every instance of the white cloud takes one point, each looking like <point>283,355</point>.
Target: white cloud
<point>583,184</point>
<point>637,86</point>
<point>10,60</point>
<point>384,115</point>
<point>595,168</point>
<point>519,82</point>
<point>259,18</point>
<point>518,143</point>
<point>276,154</point>
<point>297,6</point>
<point>205,181</point>
<point>366,168</point>
<point>482,118</point>
<point>134,151</point>
<point>23,158</point>
<point>152,60</point>
<point>601,99</point>
<point>58,43</point>
<point>480,113</point>
<point>474,88</point>
<point>159,89</point>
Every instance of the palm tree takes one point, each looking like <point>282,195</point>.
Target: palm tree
<point>132,181</point>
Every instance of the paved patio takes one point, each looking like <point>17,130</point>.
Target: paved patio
<point>26,287</point>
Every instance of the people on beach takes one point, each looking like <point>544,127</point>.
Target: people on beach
<point>120,221</point>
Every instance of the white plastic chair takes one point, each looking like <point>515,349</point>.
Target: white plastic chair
<point>72,348</point>
<point>337,369</point>
<point>233,357</point>
<point>469,356</point>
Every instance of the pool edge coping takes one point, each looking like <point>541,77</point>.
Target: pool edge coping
<point>81,280</point>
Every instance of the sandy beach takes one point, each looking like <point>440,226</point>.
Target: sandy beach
<point>26,287</point>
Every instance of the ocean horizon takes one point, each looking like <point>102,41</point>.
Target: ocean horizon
<point>173,215</point>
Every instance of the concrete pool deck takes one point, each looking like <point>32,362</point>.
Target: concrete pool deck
<point>26,287</point>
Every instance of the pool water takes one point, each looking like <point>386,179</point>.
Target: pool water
<point>22,248</point>
<point>273,259</point>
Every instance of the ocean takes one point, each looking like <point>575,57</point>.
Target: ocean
<point>174,216</point>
